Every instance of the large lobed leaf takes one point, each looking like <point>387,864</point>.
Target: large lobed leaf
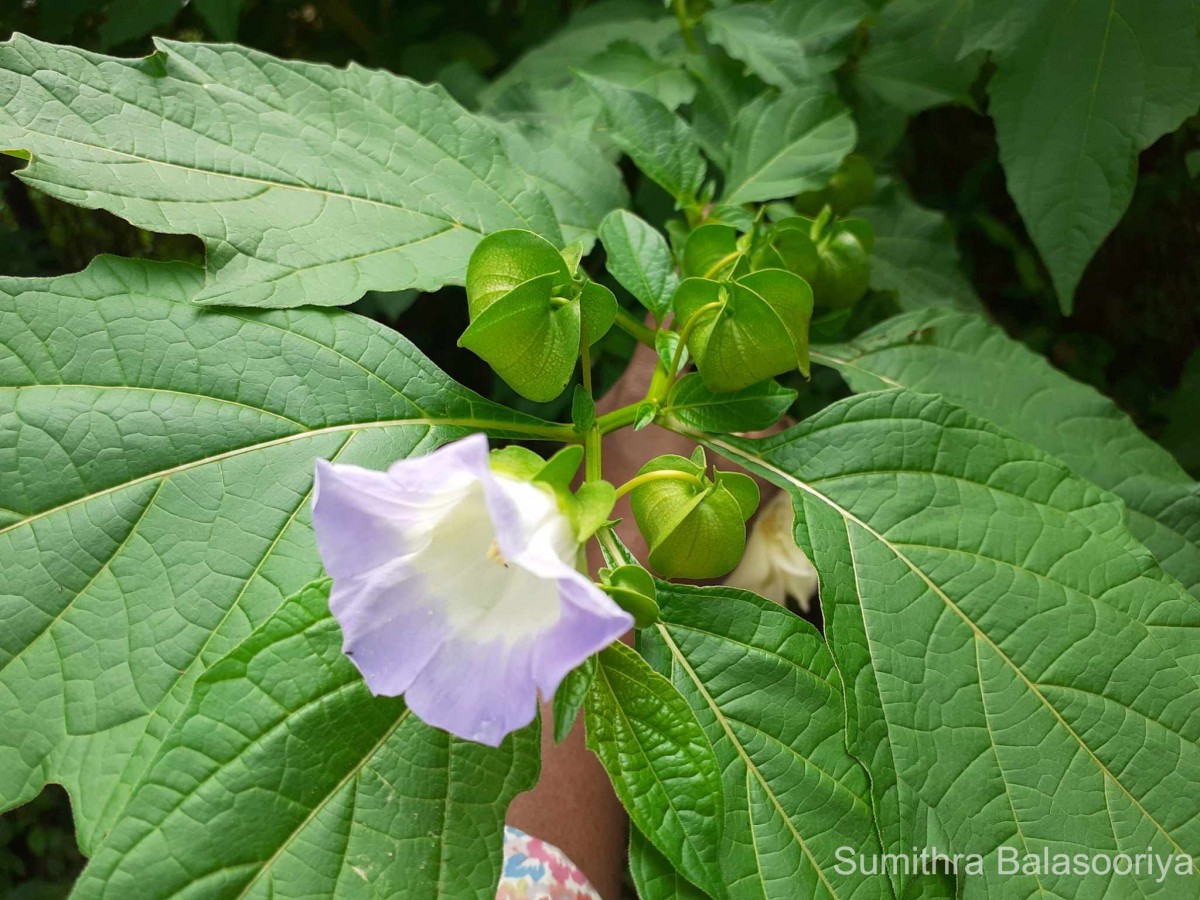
<point>286,778</point>
<point>974,364</point>
<point>1019,670</point>
<point>159,461</point>
<point>308,184</point>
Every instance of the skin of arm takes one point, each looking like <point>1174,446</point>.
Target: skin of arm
<point>573,805</point>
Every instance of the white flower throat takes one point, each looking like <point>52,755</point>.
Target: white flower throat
<point>485,595</point>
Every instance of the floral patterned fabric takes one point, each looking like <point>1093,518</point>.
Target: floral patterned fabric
<point>535,870</point>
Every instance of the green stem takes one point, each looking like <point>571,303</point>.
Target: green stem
<point>685,24</point>
<point>660,475</point>
<point>618,418</point>
<point>716,268</point>
<point>630,324</point>
<point>592,466</point>
<point>660,384</point>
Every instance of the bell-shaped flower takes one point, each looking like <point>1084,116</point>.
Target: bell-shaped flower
<point>773,566</point>
<point>456,586</point>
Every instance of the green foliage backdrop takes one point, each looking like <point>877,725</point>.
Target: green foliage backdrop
<point>995,471</point>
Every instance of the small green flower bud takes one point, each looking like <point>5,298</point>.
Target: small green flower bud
<point>632,588</point>
<point>851,186</point>
<point>832,256</point>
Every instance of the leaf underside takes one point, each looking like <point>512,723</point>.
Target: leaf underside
<point>308,184</point>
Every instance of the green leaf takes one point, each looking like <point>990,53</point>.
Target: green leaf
<point>755,34</point>
<point>787,143</point>
<point>569,698</point>
<point>915,254</point>
<point>546,68</point>
<point>308,184</point>
<point>751,409</point>
<point>826,27</point>
<point>786,44</point>
<point>660,762</point>
<point>654,877</point>
<point>159,464</point>
<point>657,140</point>
<point>629,65</point>
<point>638,257</point>
<point>794,795</point>
<point>998,26</point>
<point>974,364</point>
<point>983,652</point>
<point>646,413</point>
<point>1087,88</point>
<point>725,88</point>
<point>582,184</point>
<point>914,58</point>
<point>387,806</point>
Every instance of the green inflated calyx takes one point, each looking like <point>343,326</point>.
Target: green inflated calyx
<point>832,255</point>
<point>852,185</point>
<point>694,525</point>
<point>632,588</point>
<point>745,331</point>
<point>529,307</point>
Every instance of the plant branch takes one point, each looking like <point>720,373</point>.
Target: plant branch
<point>685,24</point>
<point>592,463</point>
<point>629,323</point>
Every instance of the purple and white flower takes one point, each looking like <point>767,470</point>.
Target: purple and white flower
<point>457,587</point>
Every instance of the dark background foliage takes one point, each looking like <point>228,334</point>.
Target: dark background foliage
<point>1134,334</point>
